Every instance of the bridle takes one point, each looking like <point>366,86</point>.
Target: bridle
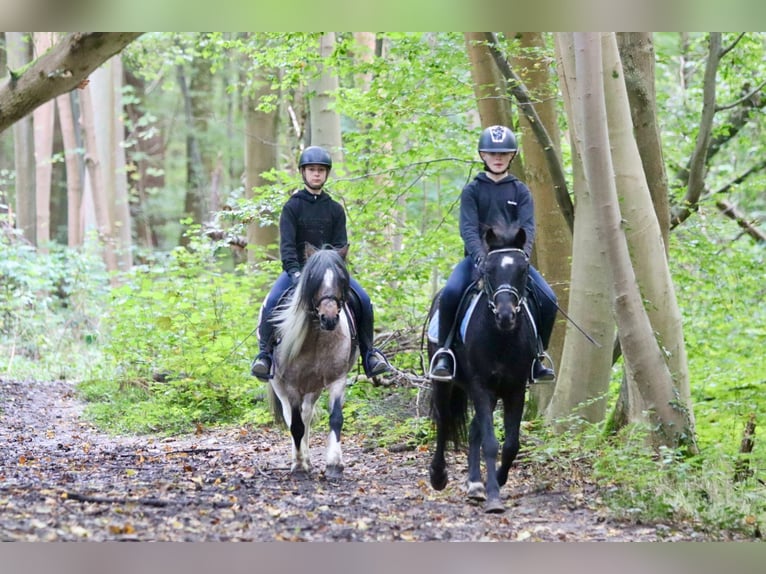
<point>492,293</point>
<point>338,301</point>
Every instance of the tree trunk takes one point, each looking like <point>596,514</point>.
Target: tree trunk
<point>325,121</point>
<point>489,85</point>
<point>642,230</point>
<point>122,220</point>
<point>643,356</point>
<point>553,242</point>
<point>73,169</point>
<point>19,55</point>
<point>147,157</point>
<point>195,205</point>
<point>43,119</point>
<point>260,157</point>
<point>57,71</point>
<point>637,55</point>
<point>98,191</point>
<point>585,370</point>
<point>106,92</point>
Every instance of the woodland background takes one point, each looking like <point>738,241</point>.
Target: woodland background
<point>141,176</point>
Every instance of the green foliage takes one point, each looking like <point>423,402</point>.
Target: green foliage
<point>179,338</point>
<point>641,485</point>
<point>719,284</point>
<point>50,304</point>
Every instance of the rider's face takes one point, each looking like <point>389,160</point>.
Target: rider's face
<point>497,161</point>
<point>315,175</point>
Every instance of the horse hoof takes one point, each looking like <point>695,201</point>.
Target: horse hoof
<point>300,472</point>
<point>439,479</point>
<point>476,491</point>
<point>494,506</point>
<point>334,472</point>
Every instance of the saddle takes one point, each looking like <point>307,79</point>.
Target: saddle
<point>465,311</point>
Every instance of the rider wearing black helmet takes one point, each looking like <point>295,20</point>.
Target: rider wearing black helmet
<point>311,216</point>
<point>490,195</point>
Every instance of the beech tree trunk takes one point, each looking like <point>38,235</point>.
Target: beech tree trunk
<point>325,121</point>
<point>637,56</point>
<point>583,377</point>
<point>260,156</point>
<point>669,424</point>
<point>43,118</point>
<point>97,186</point>
<point>553,241</point>
<point>19,55</point>
<point>73,169</point>
<point>643,232</point>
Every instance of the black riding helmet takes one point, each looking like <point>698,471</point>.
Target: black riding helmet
<point>497,139</point>
<point>315,155</point>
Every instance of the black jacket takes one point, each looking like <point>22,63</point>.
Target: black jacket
<point>308,218</point>
<point>484,202</point>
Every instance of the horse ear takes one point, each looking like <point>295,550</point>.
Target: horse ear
<point>521,238</point>
<point>490,237</point>
<point>343,251</point>
<point>309,250</point>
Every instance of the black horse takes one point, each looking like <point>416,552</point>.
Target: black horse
<point>494,361</point>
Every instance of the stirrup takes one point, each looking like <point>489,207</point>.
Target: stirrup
<point>439,352</point>
<point>266,361</point>
<point>381,367</point>
<point>542,359</point>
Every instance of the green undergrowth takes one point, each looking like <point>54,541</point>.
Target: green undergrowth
<point>642,485</point>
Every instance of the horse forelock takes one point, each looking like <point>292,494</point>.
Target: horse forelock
<point>324,269</point>
<point>294,320</point>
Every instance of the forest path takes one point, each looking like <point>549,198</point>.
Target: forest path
<point>63,480</point>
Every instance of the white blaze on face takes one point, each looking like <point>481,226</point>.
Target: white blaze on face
<point>507,261</point>
<point>328,278</point>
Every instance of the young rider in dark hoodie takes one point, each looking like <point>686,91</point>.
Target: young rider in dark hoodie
<point>312,216</point>
<point>489,197</point>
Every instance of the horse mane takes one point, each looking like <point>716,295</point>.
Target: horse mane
<point>294,318</point>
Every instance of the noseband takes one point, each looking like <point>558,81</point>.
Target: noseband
<point>492,293</point>
<point>338,301</point>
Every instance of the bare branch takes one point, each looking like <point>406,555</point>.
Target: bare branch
<point>743,99</point>
<point>527,107</point>
<point>696,181</point>
<point>731,46</point>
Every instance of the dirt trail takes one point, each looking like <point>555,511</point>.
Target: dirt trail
<point>62,480</point>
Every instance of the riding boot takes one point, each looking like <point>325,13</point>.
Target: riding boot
<point>261,365</point>
<point>540,372</point>
<point>443,361</point>
<point>373,361</point>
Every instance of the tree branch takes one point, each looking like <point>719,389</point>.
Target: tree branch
<point>696,181</point>
<point>519,91</point>
<point>743,99</point>
<point>57,71</point>
<point>730,47</point>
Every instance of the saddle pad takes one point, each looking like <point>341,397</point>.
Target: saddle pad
<point>433,325</point>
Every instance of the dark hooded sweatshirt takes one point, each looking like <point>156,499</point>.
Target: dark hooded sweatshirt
<point>484,202</point>
<point>308,218</point>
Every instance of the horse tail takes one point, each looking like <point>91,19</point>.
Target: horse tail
<point>449,411</point>
<point>275,406</point>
